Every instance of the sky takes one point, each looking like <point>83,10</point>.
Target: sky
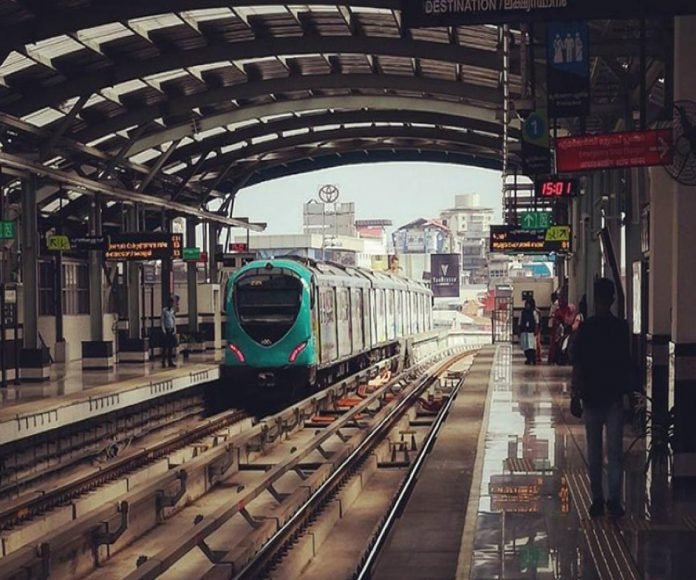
<point>398,191</point>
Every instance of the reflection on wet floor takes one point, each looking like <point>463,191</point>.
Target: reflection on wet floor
<point>532,520</point>
<point>70,378</point>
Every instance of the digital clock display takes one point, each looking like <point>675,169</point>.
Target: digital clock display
<point>556,188</point>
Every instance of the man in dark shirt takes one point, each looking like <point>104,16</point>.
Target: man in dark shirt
<point>601,376</point>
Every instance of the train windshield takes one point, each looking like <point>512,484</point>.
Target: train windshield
<point>267,302</point>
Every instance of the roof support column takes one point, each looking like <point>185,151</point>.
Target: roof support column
<point>213,233</point>
<point>133,279</point>
<point>683,339</point>
<point>97,353</point>
<point>167,271</point>
<point>192,278</point>
<point>34,358</point>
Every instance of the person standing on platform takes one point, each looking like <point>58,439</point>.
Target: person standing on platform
<point>601,376</point>
<point>168,321</point>
<point>527,330</point>
<point>537,333</point>
<point>552,327</point>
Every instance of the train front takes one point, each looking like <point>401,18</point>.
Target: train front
<point>269,327</point>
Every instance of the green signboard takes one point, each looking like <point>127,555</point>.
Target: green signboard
<point>8,230</point>
<point>535,220</point>
<point>191,254</point>
<point>58,243</point>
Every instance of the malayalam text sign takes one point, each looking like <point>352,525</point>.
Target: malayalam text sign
<point>144,246</point>
<point>611,150</point>
<point>444,275</point>
<point>511,240</point>
<point>423,13</point>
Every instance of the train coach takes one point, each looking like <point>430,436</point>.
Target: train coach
<point>294,323</point>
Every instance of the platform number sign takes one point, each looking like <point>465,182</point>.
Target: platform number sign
<point>536,156</point>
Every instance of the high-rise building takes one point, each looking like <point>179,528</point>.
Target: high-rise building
<point>469,224</point>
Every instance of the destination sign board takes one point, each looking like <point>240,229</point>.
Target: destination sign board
<point>144,246</point>
<point>512,240</point>
<point>612,150</point>
<point>423,13</point>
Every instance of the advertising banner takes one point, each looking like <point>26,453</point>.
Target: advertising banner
<point>423,13</point>
<point>143,246</point>
<point>612,150</point>
<point>444,275</point>
<point>568,69</point>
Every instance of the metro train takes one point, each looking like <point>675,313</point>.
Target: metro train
<point>295,324</point>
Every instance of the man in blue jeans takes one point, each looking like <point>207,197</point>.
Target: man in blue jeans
<point>601,376</point>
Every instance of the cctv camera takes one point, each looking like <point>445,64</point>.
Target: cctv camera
<point>524,108</point>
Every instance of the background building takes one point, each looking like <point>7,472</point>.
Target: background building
<point>422,236</point>
<point>469,224</point>
<point>335,219</point>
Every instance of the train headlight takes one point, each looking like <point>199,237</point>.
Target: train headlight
<point>238,353</point>
<point>297,350</point>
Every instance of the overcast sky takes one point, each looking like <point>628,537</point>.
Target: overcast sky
<point>401,192</point>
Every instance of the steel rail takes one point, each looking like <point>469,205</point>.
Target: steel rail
<point>204,527</point>
<point>62,495</point>
<point>365,569</point>
<point>253,568</point>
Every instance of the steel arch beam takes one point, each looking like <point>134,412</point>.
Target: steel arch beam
<point>55,21</point>
<point>183,106</point>
<point>84,84</point>
<point>487,145</point>
<point>185,153</point>
<point>270,171</point>
<point>342,102</point>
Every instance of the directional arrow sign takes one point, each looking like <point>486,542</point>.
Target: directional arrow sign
<point>535,220</point>
<point>558,234</point>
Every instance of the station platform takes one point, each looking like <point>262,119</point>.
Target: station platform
<point>72,394</point>
<point>504,492</point>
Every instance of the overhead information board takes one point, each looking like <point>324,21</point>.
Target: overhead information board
<point>512,240</point>
<point>144,246</point>
<point>423,13</point>
<point>611,150</point>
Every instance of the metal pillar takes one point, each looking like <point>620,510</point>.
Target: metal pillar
<point>192,277</point>
<point>167,284</point>
<point>592,223</point>
<point>683,323</point>
<point>30,263</point>
<point>213,234</point>
<point>133,279</point>
<point>96,280</point>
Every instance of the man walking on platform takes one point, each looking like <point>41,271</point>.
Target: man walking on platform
<point>601,376</point>
<point>168,321</point>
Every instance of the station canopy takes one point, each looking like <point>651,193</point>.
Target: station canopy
<point>190,100</point>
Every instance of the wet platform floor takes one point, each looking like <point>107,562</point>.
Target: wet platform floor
<point>532,519</point>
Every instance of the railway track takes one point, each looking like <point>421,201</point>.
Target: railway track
<point>37,505</point>
<point>135,534</point>
<point>286,554</point>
